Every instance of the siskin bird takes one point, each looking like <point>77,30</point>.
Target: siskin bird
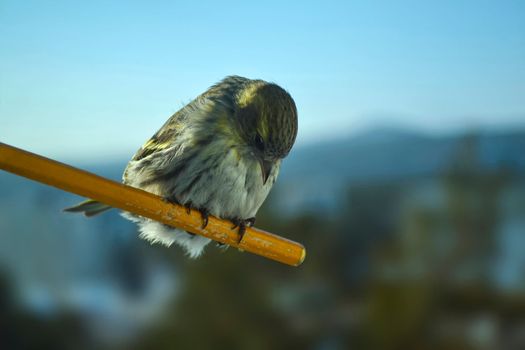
<point>220,154</point>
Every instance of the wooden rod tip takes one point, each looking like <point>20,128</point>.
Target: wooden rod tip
<point>303,256</point>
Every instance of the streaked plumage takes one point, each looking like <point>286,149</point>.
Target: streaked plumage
<point>221,154</point>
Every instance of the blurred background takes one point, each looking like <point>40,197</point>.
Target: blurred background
<point>406,185</point>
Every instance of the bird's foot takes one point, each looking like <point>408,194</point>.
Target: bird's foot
<point>205,214</point>
<point>242,224</point>
<point>170,200</point>
<point>250,221</point>
<point>188,208</point>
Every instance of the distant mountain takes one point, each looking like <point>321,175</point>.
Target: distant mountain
<point>314,176</point>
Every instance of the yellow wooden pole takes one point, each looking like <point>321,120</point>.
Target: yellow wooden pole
<point>145,204</point>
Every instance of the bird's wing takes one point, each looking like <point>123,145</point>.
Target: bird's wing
<point>221,93</point>
<point>170,146</point>
<point>164,137</point>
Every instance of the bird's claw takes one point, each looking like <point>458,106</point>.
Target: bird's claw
<point>188,207</point>
<point>250,221</point>
<point>242,224</point>
<point>169,200</point>
<point>205,215</point>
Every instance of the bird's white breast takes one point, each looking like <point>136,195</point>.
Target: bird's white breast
<point>235,189</point>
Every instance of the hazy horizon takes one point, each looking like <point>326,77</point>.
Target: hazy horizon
<point>96,79</point>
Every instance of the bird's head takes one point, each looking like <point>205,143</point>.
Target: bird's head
<point>267,121</point>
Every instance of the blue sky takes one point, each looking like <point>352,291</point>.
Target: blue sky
<point>92,80</point>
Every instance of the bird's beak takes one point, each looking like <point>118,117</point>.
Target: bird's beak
<point>266,169</point>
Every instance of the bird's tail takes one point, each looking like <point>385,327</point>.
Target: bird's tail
<point>89,208</point>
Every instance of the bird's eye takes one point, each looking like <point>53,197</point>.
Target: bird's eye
<point>259,143</point>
